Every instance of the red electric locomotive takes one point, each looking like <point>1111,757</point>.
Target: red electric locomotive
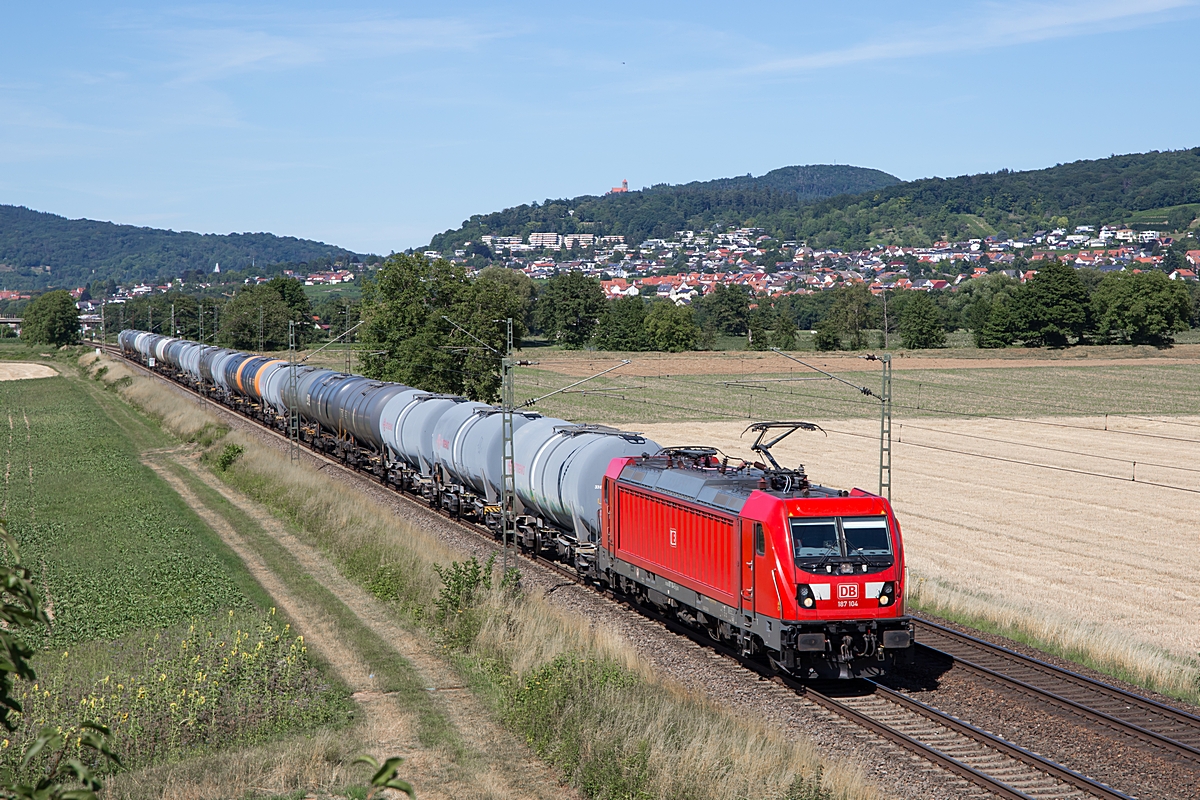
<point>810,577</point>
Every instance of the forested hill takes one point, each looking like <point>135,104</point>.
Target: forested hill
<point>1156,189</point>
<point>74,248</point>
<point>661,210</point>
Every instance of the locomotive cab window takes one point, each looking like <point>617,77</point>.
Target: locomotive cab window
<point>867,536</point>
<point>825,544</point>
<point>760,542</point>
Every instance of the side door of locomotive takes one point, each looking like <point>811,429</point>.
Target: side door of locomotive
<point>748,560</point>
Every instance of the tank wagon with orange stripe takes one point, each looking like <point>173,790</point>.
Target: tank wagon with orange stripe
<point>806,577</point>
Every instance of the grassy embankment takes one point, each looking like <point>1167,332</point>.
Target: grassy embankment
<point>158,631</point>
<point>580,698</point>
<point>665,399</point>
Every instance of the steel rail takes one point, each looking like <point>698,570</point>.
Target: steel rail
<point>916,746</point>
<point>1064,676</point>
<point>1040,763</point>
<point>925,751</point>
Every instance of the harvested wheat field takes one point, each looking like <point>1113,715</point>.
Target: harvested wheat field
<point>1103,568</point>
<point>20,370</point>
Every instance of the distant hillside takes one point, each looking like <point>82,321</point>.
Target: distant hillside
<point>851,207</point>
<point>1141,189</point>
<point>79,251</point>
<point>661,210</point>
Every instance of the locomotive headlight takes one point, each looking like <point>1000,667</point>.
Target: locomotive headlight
<point>887,595</point>
<point>804,596</point>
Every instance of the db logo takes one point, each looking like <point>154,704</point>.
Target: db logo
<point>848,591</point>
<point>674,536</point>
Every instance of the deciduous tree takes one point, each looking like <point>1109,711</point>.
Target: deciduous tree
<point>254,312</point>
<point>671,328</point>
<point>1143,308</point>
<point>1052,307</point>
<point>430,326</point>
<point>726,309</point>
<point>569,308</point>
<point>622,326</point>
<point>921,323</point>
<point>852,315</point>
<point>51,319</point>
<point>404,337</point>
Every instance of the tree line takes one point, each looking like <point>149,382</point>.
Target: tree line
<point>433,325</point>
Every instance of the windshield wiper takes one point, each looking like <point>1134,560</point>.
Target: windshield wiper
<point>825,557</point>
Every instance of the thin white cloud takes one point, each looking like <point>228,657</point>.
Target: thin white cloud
<point>1003,25</point>
<point>217,45</point>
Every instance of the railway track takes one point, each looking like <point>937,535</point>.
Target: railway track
<point>1151,723</point>
<point>995,766</point>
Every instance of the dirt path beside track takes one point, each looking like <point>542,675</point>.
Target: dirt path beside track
<point>491,763</point>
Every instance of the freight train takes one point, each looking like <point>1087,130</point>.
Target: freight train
<point>809,578</point>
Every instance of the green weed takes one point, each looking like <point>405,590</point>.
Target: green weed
<point>230,454</point>
<point>233,679</point>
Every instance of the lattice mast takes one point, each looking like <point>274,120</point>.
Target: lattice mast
<point>293,411</point>
<point>508,492</point>
<point>885,428</point>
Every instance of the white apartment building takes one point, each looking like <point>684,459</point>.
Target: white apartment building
<point>500,241</point>
<point>551,240</point>
<point>573,240</point>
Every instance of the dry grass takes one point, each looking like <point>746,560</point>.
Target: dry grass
<point>689,746</point>
<point>319,763</point>
<point>696,748</point>
<point>1100,570</point>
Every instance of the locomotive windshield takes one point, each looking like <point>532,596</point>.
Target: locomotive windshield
<point>823,543</point>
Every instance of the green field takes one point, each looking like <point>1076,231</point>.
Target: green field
<point>148,604</point>
<point>115,549</point>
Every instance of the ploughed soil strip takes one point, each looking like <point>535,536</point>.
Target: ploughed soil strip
<point>19,371</point>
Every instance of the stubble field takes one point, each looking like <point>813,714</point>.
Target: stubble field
<point>1052,500</point>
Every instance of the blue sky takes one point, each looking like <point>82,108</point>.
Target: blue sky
<point>375,125</point>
